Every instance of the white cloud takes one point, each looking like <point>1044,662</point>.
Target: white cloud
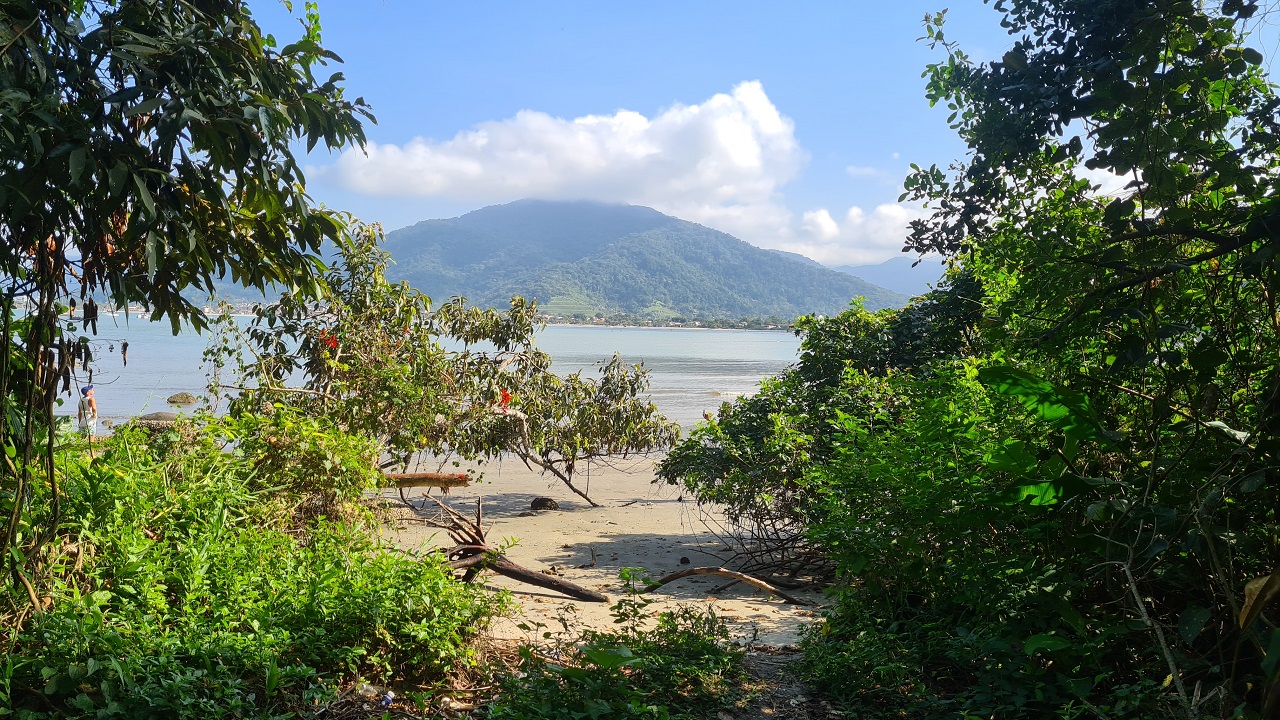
<point>722,162</point>
<point>860,238</point>
<point>819,224</point>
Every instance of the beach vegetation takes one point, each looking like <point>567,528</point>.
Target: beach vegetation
<point>182,585</point>
<point>681,664</point>
<point>1062,501</point>
<point>754,457</point>
<point>218,570</point>
<point>146,151</point>
<point>455,382</point>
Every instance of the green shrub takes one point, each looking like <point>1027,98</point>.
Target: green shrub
<point>682,667</point>
<point>182,588</point>
<point>974,574</point>
<point>305,456</point>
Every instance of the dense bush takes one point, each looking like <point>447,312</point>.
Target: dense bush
<point>1068,505</point>
<point>957,595</point>
<point>753,458</point>
<point>183,588</point>
<point>305,457</point>
<point>681,666</point>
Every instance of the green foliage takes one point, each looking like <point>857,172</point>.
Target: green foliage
<point>682,667</point>
<point>950,554</point>
<point>181,588</point>
<point>752,459</point>
<point>1149,316</point>
<point>149,149</point>
<point>381,363</point>
<point>1065,522</point>
<point>146,149</point>
<point>305,457</point>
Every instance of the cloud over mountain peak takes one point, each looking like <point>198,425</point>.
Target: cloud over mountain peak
<point>722,162</point>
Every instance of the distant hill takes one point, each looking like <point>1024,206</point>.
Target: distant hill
<point>898,274</point>
<point>588,258</point>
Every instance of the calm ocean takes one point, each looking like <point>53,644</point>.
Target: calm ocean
<point>692,371</point>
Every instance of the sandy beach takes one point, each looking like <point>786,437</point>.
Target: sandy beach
<point>638,524</point>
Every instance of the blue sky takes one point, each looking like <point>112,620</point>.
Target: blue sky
<point>790,125</point>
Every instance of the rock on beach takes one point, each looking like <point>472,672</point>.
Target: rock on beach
<point>156,420</point>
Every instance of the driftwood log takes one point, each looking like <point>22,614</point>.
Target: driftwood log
<point>471,553</point>
<point>444,481</point>
<point>740,577</point>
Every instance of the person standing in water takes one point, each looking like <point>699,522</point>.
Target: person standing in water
<point>88,413</point>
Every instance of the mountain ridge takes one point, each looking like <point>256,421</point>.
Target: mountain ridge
<point>581,257</point>
<point>910,276</point>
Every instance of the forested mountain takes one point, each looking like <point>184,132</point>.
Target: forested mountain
<point>587,257</point>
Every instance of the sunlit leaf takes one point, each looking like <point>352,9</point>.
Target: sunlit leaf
<point>1257,593</point>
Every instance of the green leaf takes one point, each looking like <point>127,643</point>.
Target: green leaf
<point>1192,622</point>
<point>144,107</point>
<point>75,163</point>
<point>123,96</point>
<point>1063,408</point>
<point>1253,481</point>
<point>1239,436</point>
<point>1045,493</point>
<point>1038,643</point>
<point>1208,357</point>
<point>153,255</point>
<point>145,195</point>
<point>116,177</point>
<point>1271,665</point>
<point>1012,457</point>
<point>609,657</point>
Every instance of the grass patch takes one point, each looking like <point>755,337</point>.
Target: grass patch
<point>568,305</point>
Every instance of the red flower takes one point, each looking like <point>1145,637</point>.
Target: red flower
<point>329,341</point>
<point>505,401</point>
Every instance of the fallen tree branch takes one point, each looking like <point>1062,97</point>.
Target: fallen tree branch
<point>740,577</point>
<point>501,565</point>
<point>471,553</point>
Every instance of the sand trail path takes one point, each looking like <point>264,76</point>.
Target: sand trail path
<point>639,525</point>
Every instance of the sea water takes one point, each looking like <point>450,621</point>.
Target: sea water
<point>692,371</point>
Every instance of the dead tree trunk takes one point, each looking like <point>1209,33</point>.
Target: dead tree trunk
<point>471,553</point>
